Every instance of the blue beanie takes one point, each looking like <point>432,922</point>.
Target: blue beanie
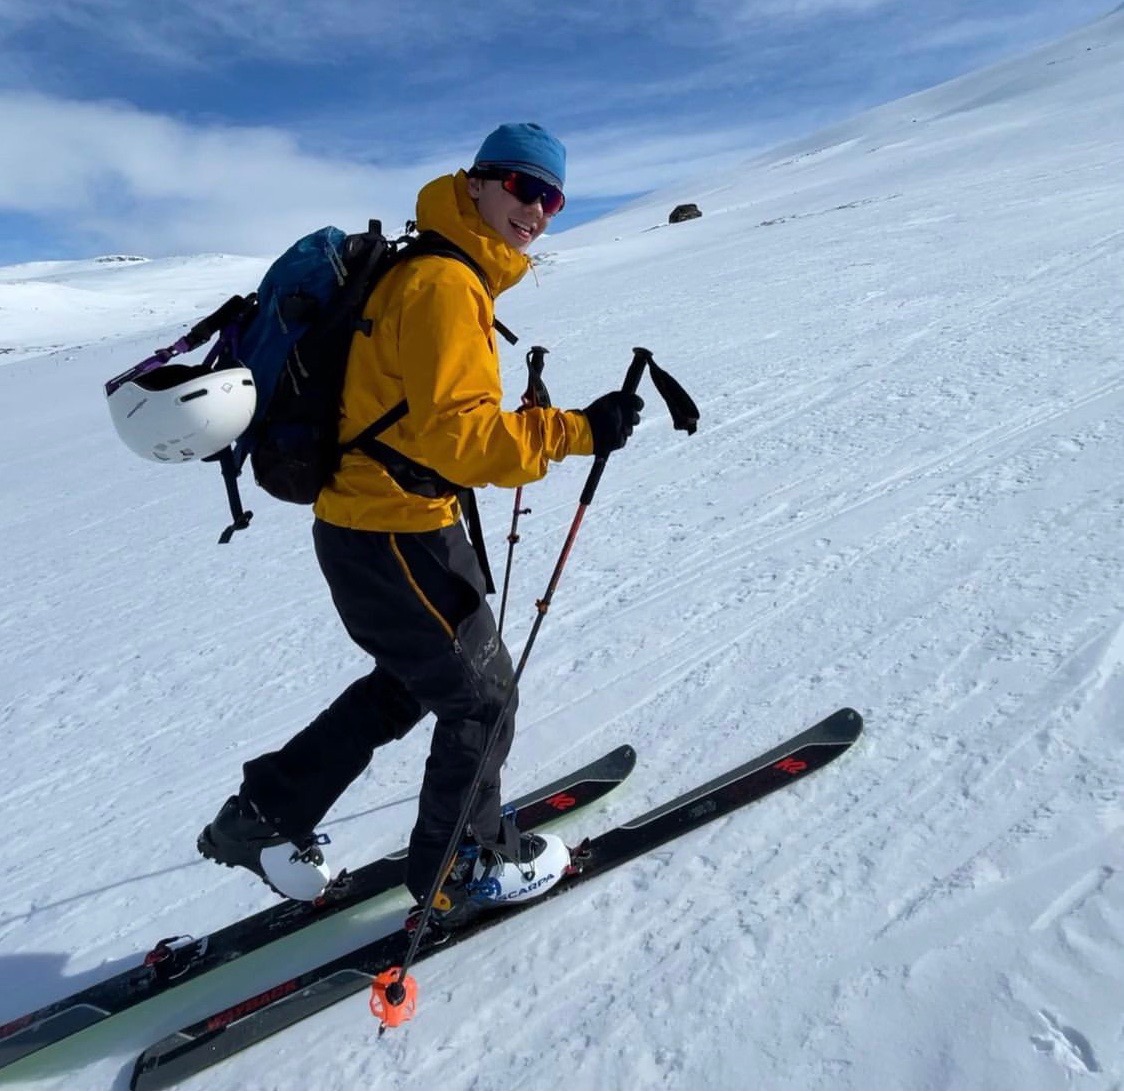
<point>526,147</point>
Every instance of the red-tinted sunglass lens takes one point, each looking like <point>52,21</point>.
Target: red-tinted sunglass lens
<point>528,189</point>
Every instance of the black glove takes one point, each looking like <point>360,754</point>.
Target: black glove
<point>611,420</point>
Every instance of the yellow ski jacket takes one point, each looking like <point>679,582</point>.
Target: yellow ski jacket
<point>432,343</point>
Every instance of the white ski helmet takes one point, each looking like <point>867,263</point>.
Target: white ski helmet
<point>178,413</point>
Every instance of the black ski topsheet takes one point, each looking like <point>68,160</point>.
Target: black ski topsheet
<point>227,1032</point>
<point>63,1018</point>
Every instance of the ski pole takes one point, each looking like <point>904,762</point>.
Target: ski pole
<point>394,992</point>
<point>534,397</point>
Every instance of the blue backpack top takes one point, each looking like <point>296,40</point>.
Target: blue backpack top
<point>297,288</point>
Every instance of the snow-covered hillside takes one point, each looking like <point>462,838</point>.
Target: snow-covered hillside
<point>906,338</point>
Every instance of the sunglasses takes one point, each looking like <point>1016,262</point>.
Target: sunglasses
<point>527,189</point>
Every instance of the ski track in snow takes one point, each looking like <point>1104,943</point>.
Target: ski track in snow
<point>906,494</point>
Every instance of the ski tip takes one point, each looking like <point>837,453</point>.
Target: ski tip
<point>616,765</point>
<point>843,725</point>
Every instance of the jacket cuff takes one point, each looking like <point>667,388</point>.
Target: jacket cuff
<point>578,433</point>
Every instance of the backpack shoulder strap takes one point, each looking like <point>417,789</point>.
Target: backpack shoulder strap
<point>435,244</point>
<point>428,243</point>
<point>411,475</point>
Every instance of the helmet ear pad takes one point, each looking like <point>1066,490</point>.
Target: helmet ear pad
<point>179,413</point>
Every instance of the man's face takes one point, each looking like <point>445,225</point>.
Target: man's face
<point>518,224</point>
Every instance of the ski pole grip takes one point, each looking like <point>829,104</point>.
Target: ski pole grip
<point>536,396</point>
<point>640,360</point>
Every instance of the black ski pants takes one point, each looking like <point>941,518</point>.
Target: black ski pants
<point>416,603</point>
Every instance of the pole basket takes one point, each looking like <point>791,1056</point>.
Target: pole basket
<point>394,998</point>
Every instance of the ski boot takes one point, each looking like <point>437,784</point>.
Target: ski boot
<point>239,836</point>
<point>482,880</point>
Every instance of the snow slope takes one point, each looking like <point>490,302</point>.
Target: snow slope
<point>906,494</point>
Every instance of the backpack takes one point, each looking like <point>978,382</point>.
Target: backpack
<point>294,334</point>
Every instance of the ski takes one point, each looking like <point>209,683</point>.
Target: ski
<point>179,959</point>
<point>219,1036</point>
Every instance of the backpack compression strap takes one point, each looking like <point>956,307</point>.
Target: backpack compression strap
<point>241,518</point>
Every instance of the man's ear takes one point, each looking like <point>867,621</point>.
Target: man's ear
<point>475,187</point>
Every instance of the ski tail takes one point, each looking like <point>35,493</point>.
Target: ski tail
<point>63,1018</point>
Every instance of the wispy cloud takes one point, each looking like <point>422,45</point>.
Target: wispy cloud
<point>726,12</point>
<point>158,185</point>
<point>198,31</point>
<point>202,32</point>
<point>128,179</point>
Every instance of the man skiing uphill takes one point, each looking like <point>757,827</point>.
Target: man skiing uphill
<point>403,575</point>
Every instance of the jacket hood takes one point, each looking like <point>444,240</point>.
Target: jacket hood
<point>445,206</point>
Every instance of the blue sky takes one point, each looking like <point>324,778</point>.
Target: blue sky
<point>185,126</point>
